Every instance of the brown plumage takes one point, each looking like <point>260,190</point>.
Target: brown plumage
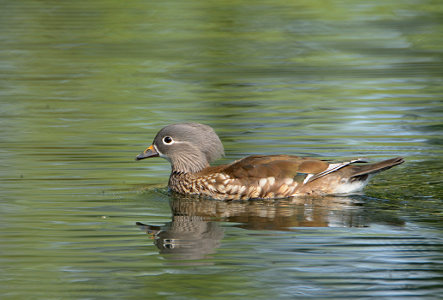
<point>190,147</point>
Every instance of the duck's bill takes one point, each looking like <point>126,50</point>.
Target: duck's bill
<point>149,152</point>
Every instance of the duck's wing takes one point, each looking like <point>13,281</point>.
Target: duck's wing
<point>277,166</point>
<point>284,166</point>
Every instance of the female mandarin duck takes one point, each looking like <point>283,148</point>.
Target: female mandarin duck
<point>190,147</point>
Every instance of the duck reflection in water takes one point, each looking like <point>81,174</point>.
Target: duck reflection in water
<point>195,231</point>
<point>185,237</point>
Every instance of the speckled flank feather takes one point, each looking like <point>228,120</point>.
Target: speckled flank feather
<point>222,186</point>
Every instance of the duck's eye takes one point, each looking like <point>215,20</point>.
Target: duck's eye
<point>167,140</point>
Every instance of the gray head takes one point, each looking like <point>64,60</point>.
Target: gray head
<point>189,147</point>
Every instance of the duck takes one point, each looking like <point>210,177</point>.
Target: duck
<point>190,148</point>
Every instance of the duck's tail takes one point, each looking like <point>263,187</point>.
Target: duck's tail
<point>355,177</point>
<point>356,170</point>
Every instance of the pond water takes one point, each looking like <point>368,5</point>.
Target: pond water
<point>85,85</point>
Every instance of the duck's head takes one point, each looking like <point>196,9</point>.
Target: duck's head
<point>189,147</point>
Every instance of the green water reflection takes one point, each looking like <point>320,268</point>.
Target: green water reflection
<point>84,85</point>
